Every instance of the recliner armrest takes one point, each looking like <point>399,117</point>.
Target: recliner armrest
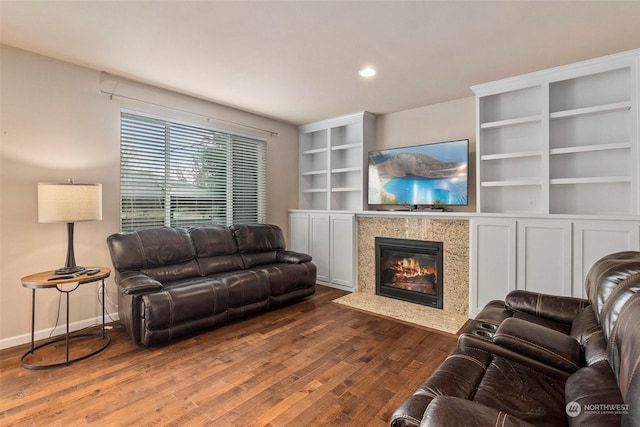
<point>546,345</point>
<point>453,411</point>
<point>292,257</point>
<point>135,282</point>
<point>468,342</point>
<point>558,308</point>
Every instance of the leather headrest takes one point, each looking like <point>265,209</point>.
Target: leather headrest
<point>150,248</point>
<point>607,274</point>
<point>258,237</point>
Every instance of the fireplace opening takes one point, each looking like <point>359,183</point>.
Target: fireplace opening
<point>409,270</point>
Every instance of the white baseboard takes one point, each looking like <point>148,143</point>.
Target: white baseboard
<point>59,330</point>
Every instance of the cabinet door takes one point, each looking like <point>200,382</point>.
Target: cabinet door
<point>593,240</point>
<point>342,251</point>
<point>299,232</point>
<point>319,247</point>
<point>493,261</point>
<point>544,256</point>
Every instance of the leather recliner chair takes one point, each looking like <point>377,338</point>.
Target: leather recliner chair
<point>543,360</point>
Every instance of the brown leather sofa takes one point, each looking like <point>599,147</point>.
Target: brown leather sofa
<point>543,360</point>
<point>175,281</point>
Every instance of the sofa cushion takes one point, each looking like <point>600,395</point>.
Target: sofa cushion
<point>458,376</point>
<point>286,278</point>
<point>606,274</point>
<point>248,291</point>
<point>624,355</point>
<point>594,384</point>
<point>453,411</point>
<point>216,249</point>
<point>184,301</point>
<point>214,240</point>
<point>523,393</point>
<point>616,302</point>
<point>258,244</point>
<point>150,248</point>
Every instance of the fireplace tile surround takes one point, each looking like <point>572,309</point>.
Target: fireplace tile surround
<point>454,234</point>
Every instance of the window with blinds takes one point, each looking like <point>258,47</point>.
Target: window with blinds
<point>176,174</point>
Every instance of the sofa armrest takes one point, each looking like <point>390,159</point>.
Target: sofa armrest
<point>537,342</point>
<point>292,257</point>
<point>558,308</point>
<point>135,282</point>
<point>453,411</point>
<point>468,342</point>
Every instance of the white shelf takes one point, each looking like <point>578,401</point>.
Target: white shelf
<point>511,122</point>
<point>517,155</point>
<point>590,148</point>
<point>315,172</point>
<point>344,189</point>
<point>315,151</point>
<point>315,190</point>
<point>345,170</point>
<point>590,180</point>
<point>607,108</point>
<point>511,183</point>
<point>346,146</point>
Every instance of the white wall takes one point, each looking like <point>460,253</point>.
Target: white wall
<point>447,121</point>
<point>54,125</point>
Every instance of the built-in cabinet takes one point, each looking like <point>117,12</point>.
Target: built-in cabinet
<point>330,239</point>
<point>333,163</point>
<point>546,255</point>
<point>594,239</point>
<point>561,141</point>
<point>332,179</point>
<point>558,164</point>
<point>492,255</point>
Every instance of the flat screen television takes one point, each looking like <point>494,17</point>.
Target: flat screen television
<point>429,175</point>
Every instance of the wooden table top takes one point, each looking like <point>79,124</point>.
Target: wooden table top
<point>41,280</point>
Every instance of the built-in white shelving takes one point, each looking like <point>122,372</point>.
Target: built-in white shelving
<point>333,161</point>
<point>561,141</point>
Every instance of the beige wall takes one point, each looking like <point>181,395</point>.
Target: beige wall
<point>447,121</point>
<point>54,125</point>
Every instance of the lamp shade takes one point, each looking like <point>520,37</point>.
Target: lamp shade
<point>69,202</point>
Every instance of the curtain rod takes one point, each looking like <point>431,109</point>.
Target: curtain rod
<point>112,94</point>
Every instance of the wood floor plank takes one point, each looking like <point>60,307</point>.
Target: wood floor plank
<point>312,363</point>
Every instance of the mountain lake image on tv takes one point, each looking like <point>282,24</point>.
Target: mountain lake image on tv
<point>422,175</point>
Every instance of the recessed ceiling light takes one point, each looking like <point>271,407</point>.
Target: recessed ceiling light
<point>367,72</point>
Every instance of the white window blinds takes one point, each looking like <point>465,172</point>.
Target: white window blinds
<point>175,174</point>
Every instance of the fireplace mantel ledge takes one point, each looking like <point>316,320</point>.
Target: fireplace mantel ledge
<point>472,215</point>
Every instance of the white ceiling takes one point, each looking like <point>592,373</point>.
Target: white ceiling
<point>298,61</point>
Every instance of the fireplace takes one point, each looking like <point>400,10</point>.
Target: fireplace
<point>409,270</point>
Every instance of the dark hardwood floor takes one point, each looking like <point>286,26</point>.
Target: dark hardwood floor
<point>312,363</point>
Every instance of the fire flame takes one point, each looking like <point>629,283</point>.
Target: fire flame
<point>407,268</point>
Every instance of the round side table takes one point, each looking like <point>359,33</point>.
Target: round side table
<point>49,280</point>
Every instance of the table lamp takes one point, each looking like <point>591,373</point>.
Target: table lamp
<point>69,202</point>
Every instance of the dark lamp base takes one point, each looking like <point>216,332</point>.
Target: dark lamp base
<point>70,270</point>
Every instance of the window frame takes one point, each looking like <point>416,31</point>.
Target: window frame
<point>181,188</point>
